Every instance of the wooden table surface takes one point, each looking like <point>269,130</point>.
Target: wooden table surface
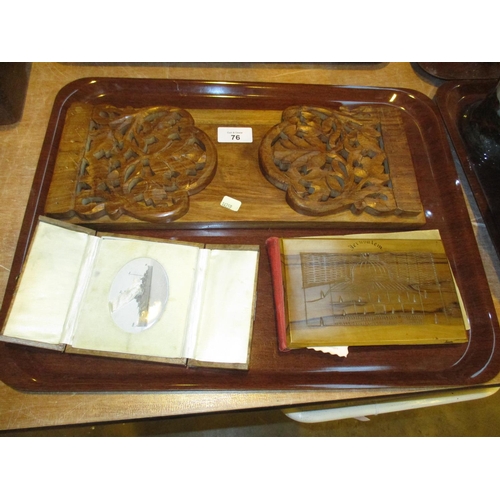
<point>20,145</point>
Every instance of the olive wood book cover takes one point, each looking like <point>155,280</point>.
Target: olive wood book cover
<point>116,296</point>
<point>365,290</point>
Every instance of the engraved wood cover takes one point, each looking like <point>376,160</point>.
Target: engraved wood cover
<point>369,291</point>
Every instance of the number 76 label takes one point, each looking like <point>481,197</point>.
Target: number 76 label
<point>234,134</point>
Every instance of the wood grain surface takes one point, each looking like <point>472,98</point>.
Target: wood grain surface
<point>146,164</point>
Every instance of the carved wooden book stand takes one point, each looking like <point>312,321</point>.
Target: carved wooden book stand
<point>135,165</point>
<point>331,161</point>
<point>144,163</point>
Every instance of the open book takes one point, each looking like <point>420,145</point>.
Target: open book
<point>117,296</point>
<point>363,290</point>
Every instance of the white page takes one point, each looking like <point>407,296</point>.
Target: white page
<point>226,320</point>
<point>47,285</point>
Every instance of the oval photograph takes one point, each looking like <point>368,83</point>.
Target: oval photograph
<point>138,295</point>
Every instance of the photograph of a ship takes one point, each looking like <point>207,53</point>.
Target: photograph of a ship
<point>382,288</point>
<point>138,295</point>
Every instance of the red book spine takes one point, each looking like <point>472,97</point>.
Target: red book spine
<point>274,252</point>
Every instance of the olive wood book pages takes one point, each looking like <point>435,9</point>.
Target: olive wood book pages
<point>365,290</point>
<point>116,296</point>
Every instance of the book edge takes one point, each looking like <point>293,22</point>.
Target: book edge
<point>273,246</point>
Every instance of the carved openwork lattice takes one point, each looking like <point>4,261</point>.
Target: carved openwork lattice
<point>329,161</point>
<point>143,162</point>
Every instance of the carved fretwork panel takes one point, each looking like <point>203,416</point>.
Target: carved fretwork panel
<point>331,161</point>
<point>144,163</point>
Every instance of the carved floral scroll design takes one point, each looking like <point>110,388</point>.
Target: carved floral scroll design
<point>329,161</point>
<point>143,162</point>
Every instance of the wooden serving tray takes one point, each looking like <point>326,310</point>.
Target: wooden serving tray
<point>474,362</point>
<point>453,98</point>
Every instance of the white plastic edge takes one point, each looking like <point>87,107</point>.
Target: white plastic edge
<point>363,411</point>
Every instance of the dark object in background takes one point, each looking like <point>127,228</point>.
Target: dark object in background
<point>462,70</point>
<point>14,77</point>
<point>480,128</point>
